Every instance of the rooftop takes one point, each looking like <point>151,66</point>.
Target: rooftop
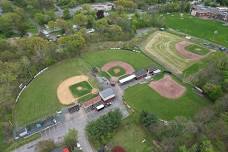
<point>91,102</point>
<point>107,94</point>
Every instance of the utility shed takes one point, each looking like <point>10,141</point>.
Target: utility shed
<point>140,73</point>
<point>107,94</point>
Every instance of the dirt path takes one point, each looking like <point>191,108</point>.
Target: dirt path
<point>63,92</point>
<point>180,47</point>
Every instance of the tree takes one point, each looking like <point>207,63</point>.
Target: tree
<point>72,43</point>
<point>66,14</point>
<point>147,119</point>
<point>46,146</point>
<point>101,130</point>
<point>71,138</point>
<point>212,90</point>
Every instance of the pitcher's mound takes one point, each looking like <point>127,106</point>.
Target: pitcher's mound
<point>168,88</point>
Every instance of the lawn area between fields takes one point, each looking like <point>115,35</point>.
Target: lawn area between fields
<point>130,136</point>
<point>142,97</point>
<point>81,89</point>
<point>197,49</point>
<point>210,30</point>
<point>40,99</point>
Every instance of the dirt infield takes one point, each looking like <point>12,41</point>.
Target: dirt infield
<point>63,92</point>
<point>180,47</point>
<point>127,67</point>
<point>168,88</point>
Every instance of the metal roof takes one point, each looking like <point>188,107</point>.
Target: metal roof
<point>129,78</point>
<point>107,94</point>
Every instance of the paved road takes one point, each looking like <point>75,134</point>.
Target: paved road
<point>78,120</point>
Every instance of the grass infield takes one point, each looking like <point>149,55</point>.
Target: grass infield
<point>116,71</point>
<point>81,89</point>
<point>197,49</point>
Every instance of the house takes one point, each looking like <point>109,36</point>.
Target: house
<point>219,13</point>
<point>140,74</point>
<point>107,95</point>
<point>127,79</point>
<point>92,103</point>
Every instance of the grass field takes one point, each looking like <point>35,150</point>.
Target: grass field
<point>81,89</point>
<point>142,97</point>
<point>40,99</point>
<point>197,49</point>
<point>130,136</point>
<point>162,47</point>
<point>206,29</point>
<point>116,71</point>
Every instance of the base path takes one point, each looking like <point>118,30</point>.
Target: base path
<point>168,88</point>
<point>127,67</point>
<point>180,47</point>
<point>63,92</point>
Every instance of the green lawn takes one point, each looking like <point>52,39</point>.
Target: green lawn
<point>142,97</point>
<point>39,99</point>
<point>197,49</point>
<point>130,136</point>
<point>116,71</point>
<point>80,89</point>
<point>206,29</point>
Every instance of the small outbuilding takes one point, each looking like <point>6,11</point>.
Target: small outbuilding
<point>140,74</point>
<point>92,103</point>
<point>127,79</point>
<point>107,95</point>
<point>151,70</point>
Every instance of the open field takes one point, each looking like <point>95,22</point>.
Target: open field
<point>162,47</point>
<point>206,29</point>
<point>130,136</point>
<point>197,49</point>
<point>40,99</point>
<point>142,97</point>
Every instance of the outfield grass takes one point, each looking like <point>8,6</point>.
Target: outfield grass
<point>116,74</point>
<point>161,46</point>
<point>206,29</point>
<point>142,97</point>
<point>84,86</point>
<point>197,49</point>
<point>130,136</point>
<point>40,100</point>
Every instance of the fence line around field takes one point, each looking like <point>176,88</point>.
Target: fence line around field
<point>40,72</point>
